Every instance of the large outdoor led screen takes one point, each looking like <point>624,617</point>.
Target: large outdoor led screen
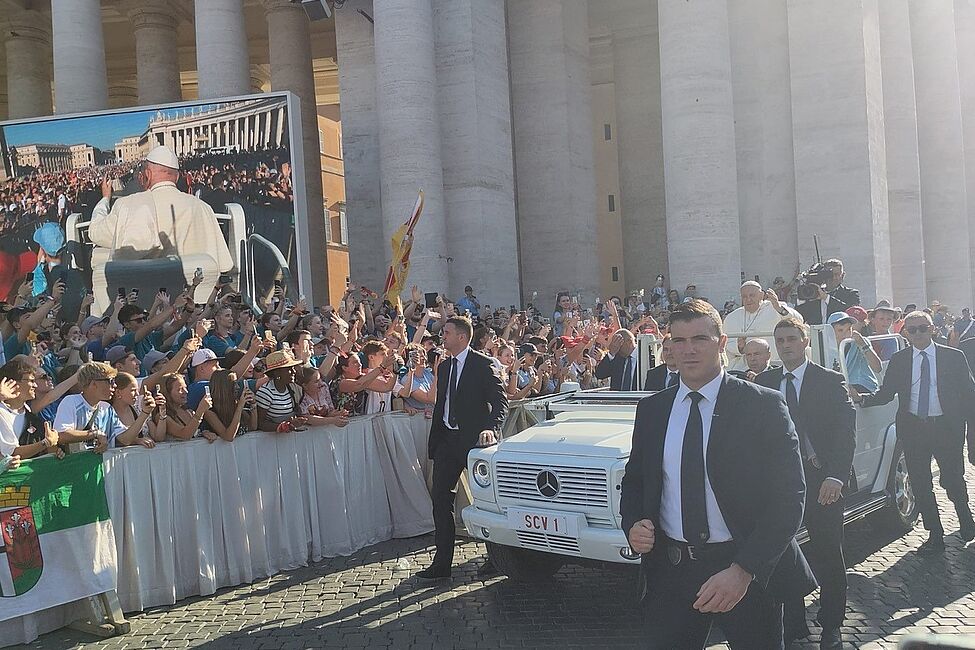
<point>241,156</point>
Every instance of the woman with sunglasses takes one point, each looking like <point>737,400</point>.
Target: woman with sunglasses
<point>124,402</point>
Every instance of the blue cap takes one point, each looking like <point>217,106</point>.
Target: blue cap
<point>50,237</point>
<point>840,317</point>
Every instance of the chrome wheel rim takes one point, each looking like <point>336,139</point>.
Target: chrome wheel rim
<point>903,494</point>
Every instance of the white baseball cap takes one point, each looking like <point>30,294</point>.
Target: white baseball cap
<point>164,156</point>
<point>202,356</point>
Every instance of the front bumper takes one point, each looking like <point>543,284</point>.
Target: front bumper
<point>601,544</point>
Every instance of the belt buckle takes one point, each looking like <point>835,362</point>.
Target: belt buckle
<point>690,553</point>
<point>673,554</point>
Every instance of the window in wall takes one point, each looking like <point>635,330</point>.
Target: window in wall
<point>616,274</point>
<point>612,203</point>
<point>607,131</point>
<point>328,222</point>
<point>343,227</point>
<point>321,141</point>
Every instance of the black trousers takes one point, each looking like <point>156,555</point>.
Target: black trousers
<point>449,462</point>
<point>755,623</point>
<point>922,441</point>
<point>824,552</point>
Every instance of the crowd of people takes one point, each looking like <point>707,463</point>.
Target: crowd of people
<point>218,368</point>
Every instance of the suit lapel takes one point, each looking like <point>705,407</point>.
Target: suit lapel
<point>466,371</point>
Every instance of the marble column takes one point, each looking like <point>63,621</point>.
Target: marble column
<point>838,137</point>
<point>221,48</point>
<point>965,37</point>
<point>156,56</point>
<point>903,168</point>
<point>700,172</point>
<point>636,77</point>
<point>763,132</point>
<point>368,249</point>
<point>28,50</point>
<point>551,98</point>
<point>80,76</point>
<point>409,135</point>
<point>260,78</point>
<point>289,46</point>
<point>941,150</point>
<point>478,171</point>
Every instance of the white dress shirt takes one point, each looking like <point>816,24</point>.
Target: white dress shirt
<point>823,306</point>
<point>671,521</point>
<point>461,358</point>
<point>934,404</point>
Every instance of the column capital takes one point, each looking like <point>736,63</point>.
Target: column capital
<point>159,14</point>
<point>27,24</point>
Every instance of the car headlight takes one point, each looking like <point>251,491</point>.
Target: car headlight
<point>482,473</point>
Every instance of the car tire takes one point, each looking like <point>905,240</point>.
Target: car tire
<point>901,512</point>
<point>522,564</point>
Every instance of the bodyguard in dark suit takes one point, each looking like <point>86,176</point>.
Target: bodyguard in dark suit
<point>936,395</point>
<point>712,497</point>
<point>471,406</point>
<point>620,364</point>
<point>666,374</point>
<point>825,421</point>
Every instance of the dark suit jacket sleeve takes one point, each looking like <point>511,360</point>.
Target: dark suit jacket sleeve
<point>632,490</point>
<point>888,389</point>
<point>604,368</point>
<point>495,394</point>
<point>843,428</point>
<point>776,527</point>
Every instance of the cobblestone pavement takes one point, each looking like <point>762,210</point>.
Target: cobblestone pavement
<point>370,600</point>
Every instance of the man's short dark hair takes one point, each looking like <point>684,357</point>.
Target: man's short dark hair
<point>295,336</point>
<point>696,308</point>
<point>794,323</point>
<point>17,369</point>
<point>463,324</point>
<point>126,313</point>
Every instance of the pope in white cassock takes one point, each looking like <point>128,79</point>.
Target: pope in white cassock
<point>160,220</point>
<point>759,313</point>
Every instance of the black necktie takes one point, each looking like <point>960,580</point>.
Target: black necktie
<point>672,379</point>
<point>628,374</point>
<point>924,392</point>
<point>452,393</point>
<point>792,401</point>
<point>693,505</point>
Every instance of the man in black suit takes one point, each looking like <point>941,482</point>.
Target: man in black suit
<point>620,364</point>
<point>936,395</point>
<point>712,497</point>
<point>834,296</point>
<point>666,374</point>
<point>471,406</point>
<point>825,421</point>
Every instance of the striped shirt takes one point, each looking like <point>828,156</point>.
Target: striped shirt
<point>279,405</point>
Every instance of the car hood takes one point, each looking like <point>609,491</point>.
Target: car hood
<point>602,434</point>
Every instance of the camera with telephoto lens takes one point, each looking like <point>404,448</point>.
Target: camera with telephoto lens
<point>811,281</point>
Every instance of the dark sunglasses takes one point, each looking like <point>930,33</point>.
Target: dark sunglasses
<point>917,329</point>
<point>111,382</point>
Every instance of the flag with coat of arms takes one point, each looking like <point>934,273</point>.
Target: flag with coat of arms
<point>56,538</point>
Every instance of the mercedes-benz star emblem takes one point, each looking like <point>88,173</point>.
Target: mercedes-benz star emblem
<point>547,483</point>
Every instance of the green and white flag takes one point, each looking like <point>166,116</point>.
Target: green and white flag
<point>56,539</point>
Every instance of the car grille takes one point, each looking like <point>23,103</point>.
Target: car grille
<point>578,486</point>
<point>596,521</point>
<point>546,542</point>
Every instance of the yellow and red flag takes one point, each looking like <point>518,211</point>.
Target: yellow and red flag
<point>402,243</point>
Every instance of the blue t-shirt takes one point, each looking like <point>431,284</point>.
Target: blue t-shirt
<point>96,350</point>
<point>152,342</point>
<point>859,371</point>
<point>220,344</point>
<point>468,304</point>
<point>12,347</point>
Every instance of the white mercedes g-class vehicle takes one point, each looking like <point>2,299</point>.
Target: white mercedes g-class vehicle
<point>550,495</point>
